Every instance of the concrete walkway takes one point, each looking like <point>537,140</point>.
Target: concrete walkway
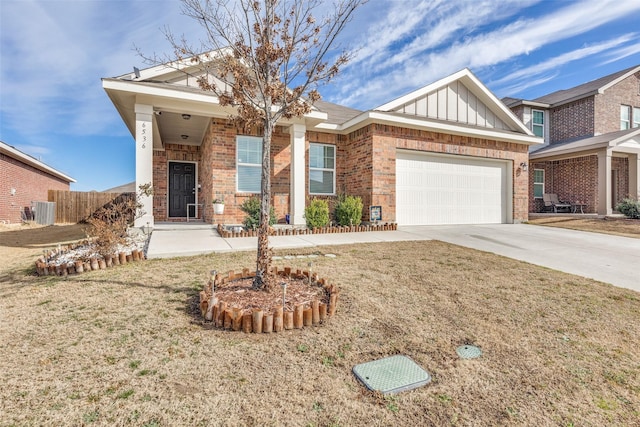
<point>610,259</point>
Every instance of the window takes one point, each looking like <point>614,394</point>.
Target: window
<point>537,123</point>
<point>625,117</point>
<point>636,117</point>
<point>538,183</point>
<point>248,163</point>
<point>322,169</point>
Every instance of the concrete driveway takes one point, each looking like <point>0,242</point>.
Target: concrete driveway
<point>610,259</point>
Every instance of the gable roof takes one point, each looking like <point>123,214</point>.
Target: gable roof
<point>458,104</point>
<point>463,106</point>
<point>586,89</point>
<point>14,153</point>
<point>461,98</point>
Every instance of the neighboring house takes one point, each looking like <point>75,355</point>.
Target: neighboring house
<point>129,187</point>
<point>448,153</point>
<point>23,180</point>
<point>592,142</point>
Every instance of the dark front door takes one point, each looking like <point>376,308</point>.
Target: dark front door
<point>182,188</point>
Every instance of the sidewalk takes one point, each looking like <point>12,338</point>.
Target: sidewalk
<point>611,259</point>
<point>172,240</point>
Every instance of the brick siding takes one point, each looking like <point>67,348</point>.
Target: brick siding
<point>576,180</point>
<point>31,185</point>
<point>161,159</point>
<point>573,120</point>
<point>607,104</point>
<point>365,167</point>
<point>376,180</point>
<point>218,172</point>
<point>621,165</point>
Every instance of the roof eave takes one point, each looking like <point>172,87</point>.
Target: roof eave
<point>420,123</point>
<point>473,84</point>
<point>200,103</point>
<point>25,158</point>
<point>619,79</point>
<point>528,103</point>
<point>576,98</point>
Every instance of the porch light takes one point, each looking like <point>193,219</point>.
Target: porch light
<point>524,166</point>
<point>186,116</point>
<point>184,136</point>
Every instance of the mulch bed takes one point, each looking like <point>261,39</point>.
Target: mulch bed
<point>240,293</point>
<point>230,302</point>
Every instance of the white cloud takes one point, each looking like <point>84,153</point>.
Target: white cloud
<point>479,50</point>
<point>563,59</point>
<point>55,53</point>
<point>623,52</point>
<point>533,82</point>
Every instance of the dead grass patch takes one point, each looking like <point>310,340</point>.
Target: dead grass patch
<point>617,226</point>
<point>127,346</point>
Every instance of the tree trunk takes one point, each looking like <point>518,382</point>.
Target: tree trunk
<point>263,262</point>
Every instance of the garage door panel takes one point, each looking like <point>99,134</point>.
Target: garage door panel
<point>432,189</point>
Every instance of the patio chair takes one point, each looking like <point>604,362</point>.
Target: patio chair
<point>551,202</point>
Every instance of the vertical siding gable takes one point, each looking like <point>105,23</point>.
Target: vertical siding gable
<point>442,104</point>
<point>456,103</point>
<point>463,101</point>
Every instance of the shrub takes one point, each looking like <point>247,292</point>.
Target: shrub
<point>349,210</point>
<point>108,226</point>
<point>317,213</point>
<point>629,208</point>
<point>252,208</point>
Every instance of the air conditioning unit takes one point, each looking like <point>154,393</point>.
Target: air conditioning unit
<point>44,212</point>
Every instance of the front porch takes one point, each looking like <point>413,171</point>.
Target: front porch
<point>596,172</point>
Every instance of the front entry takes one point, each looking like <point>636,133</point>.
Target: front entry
<point>182,189</point>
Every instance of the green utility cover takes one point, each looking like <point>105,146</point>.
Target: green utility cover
<point>392,374</point>
<point>469,351</point>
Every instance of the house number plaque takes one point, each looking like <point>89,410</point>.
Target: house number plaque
<point>143,134</point>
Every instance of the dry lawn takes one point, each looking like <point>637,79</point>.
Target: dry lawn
<point>126,346</point>
<point>617,226</point>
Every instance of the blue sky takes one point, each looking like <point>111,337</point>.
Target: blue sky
<point>54,53</point>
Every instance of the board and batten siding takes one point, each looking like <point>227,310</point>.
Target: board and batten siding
<point>454,102</point>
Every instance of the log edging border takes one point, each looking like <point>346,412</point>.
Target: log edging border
<point>303,231</point>
<point>46,266</point>
<point>274,319</point>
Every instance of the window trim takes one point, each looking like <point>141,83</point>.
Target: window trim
<point>634,111</point>
<point>538,183</point>
<point>533,124</point>
<point>257,139</point>
<point>333,170</point>
<point>628,122</point>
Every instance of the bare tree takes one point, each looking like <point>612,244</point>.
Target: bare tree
<point>265,58</point>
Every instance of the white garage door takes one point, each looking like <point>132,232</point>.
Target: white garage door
<point>440,189</point>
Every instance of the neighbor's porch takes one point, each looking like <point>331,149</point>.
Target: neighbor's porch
<point>597,172</point>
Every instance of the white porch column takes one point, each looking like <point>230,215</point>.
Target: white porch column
<point>604,182</point>
<point>298,174</point>
<point>634,176</point>
<point>144,159</point>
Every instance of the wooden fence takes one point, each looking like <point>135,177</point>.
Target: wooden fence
<point>77,206</point>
